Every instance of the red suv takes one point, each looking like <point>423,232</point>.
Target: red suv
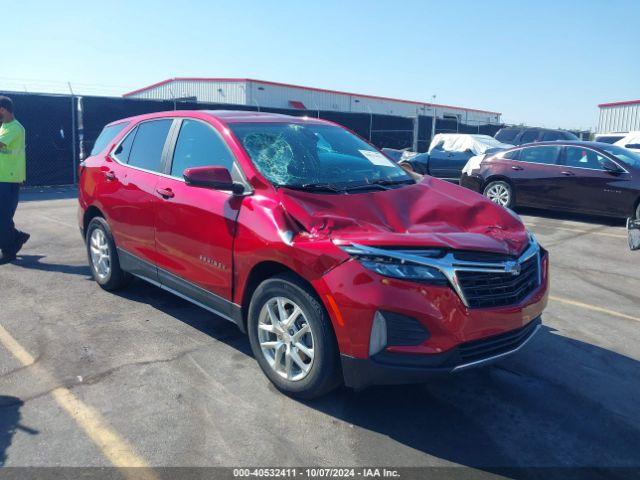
<point>339,265</point>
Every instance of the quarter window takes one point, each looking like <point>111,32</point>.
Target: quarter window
<point>545,155</point>
<point>512,155</point>
<point>583,157</point>
<point>199,145</point>
<point>146,151</point>
<point>107,135</point>
<point>124,149</point>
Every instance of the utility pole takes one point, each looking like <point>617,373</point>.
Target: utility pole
<point>73,135</point>
<point>433,121</point>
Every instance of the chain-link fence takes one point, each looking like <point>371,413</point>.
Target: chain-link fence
<point>61,129</point>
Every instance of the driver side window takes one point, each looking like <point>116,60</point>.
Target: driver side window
<point>583,158</point>
<point>199,145</point>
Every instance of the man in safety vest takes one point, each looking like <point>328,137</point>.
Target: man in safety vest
<point>12,174</point>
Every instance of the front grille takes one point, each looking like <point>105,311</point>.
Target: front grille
<point>492,346</point>
<point>491,289</point>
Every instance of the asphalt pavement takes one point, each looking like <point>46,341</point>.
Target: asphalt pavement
<point>91,378</point>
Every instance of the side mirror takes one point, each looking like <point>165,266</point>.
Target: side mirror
<point>611,167</point>
<point>217,178</point>
<point>635,146</point>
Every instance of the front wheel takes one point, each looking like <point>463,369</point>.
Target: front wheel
<point>500,192</point>
<point>292,339</point>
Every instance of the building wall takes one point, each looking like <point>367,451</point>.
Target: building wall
<point>261,94</point>
<point>619,118</point>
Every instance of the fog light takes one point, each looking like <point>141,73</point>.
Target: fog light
<point>378,338</point>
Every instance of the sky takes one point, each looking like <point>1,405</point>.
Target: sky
<point>539,62</point>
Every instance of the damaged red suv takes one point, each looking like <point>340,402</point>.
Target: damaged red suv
<point>339,265</point>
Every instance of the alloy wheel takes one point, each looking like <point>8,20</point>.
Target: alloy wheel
<point>286,338</point>
<point>499,193</point>
<point>100,253</point>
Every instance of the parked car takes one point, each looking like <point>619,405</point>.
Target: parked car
<point>631,141</point>
<point>522,135</point>
<point>587,177</point>
<point>338,265</point>
<point>449,152</point>
<point>609,137</point>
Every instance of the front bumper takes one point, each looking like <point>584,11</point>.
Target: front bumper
<point>387,368</point>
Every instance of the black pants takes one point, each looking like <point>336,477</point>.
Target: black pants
<point>9,194</point>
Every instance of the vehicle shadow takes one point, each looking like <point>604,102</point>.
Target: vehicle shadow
<point>574,217</point>
<point>9,423</point>
<point>559,403</point>
<point>34,262</point>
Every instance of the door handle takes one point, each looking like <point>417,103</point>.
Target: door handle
<point>515,167</point>
<point>111,176</point>
<point>567,174</point>
<point>166,192</point>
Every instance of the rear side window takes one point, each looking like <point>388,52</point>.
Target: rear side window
<point>551,135</point>
<point>106,136</point>
<point>507,135</point>
<point>529,136</point>
<point>146,151</point>
<point>546,155</point>
<point>199,145</point>
<point>570,136</point>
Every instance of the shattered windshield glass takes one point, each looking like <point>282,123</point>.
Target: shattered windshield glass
<point>299,155</point>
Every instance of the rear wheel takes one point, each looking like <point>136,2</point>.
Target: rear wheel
<point>292,339</point>
<point>103,256</point>
<point>500,192</point>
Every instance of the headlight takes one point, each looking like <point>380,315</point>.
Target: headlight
<point>396,268</point>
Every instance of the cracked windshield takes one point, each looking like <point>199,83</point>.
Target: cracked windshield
<point>317,157</point>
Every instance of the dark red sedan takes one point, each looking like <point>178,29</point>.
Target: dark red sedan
<point>587,177</point>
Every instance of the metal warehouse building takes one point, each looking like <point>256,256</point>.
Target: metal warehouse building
<point>259,93</point>
<point>619,117</point>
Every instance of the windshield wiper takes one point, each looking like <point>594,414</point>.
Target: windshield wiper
<point>315,187</point>
<point>379,184</point>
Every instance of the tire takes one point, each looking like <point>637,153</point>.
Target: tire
<point>637,213</point>
<point>279,361</point>
<point>500,192</point>
<point>99,239</point>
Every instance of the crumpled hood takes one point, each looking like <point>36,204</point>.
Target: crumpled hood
<point>432,213</point>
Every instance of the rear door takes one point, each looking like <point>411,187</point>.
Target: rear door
<point>534,175</point>
<point>131,201</point>
<point>195,226</point>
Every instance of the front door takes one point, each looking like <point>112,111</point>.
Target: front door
<point>586,186</point>
<point>195,226</point>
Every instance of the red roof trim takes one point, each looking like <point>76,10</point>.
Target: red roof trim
<point>323,90</point>
<point>617,104</point>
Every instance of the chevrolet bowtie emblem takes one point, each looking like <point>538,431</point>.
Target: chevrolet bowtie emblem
<point>513,268</point>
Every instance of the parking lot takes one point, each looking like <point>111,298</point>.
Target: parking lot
<point>91,378</point>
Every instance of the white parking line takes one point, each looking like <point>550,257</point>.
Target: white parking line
<point>595,308</point>
<point>116,449</point>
